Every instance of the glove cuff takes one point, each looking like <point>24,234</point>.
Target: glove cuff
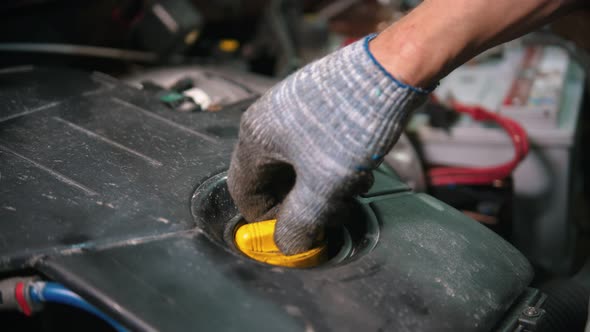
<point>366,42</point>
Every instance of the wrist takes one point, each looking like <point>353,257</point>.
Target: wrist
<point>411,59</point>
<point>398,78</point>
<point>419,53</point>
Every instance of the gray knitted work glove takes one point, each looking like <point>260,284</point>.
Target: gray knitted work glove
<point>311,142</point>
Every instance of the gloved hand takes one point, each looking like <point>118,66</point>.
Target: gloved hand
<point>312,140</point>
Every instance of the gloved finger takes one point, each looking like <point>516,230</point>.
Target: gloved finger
<point>258,181</point>
<point>301,220</point>
<point>304,213</point>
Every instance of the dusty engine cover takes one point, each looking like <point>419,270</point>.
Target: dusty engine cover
<point>123,200</point>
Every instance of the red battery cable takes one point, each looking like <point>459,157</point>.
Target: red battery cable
<point>483,175</point>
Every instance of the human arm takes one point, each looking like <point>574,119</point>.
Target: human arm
<point>440,35</point>
<point>311,141</point>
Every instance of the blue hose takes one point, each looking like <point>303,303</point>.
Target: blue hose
<point>57,293</point>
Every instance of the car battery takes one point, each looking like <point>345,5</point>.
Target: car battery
<point>124,200</point>
<point>542,89</point>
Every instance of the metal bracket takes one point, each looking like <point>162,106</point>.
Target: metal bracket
<point>531,316</point>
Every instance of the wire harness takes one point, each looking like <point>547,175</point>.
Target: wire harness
<point>28,294</point>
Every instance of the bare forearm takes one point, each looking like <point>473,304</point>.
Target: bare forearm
<point>440,35</point>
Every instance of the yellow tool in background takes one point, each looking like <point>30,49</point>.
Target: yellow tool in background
<point>256,240</point>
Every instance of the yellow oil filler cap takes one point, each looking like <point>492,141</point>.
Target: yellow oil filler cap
<point>256,240</point>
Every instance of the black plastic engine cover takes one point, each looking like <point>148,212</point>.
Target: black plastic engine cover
<point>97,191</point>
